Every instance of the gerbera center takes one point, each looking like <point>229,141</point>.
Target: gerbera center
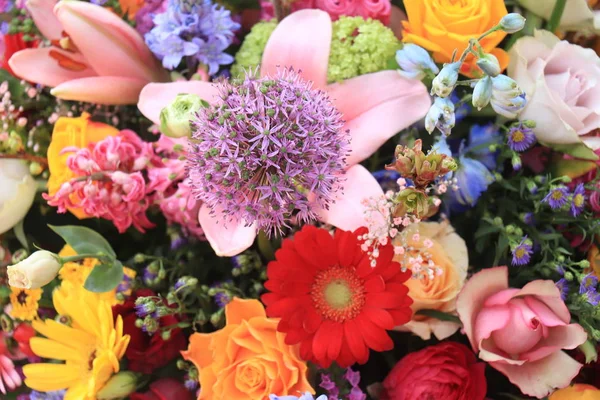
<point>518,136</point>
<point>338,293</point>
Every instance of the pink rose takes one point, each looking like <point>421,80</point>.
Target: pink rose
<point>562,82</point>
<point>520,332</point>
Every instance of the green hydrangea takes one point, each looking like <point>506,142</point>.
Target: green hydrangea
<point>360,47</point>
<point>251,51</point>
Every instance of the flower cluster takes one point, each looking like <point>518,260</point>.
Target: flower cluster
<point>197,30</point>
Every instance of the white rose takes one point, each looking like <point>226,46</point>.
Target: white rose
<point>35,271</point>
<point>576,16</point>
<point>562,82</point>
<point>18,191</point>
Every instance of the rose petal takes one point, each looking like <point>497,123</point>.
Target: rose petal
<point>560,337</point>
<point>112,90</point>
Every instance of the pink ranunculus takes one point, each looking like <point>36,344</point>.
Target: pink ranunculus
<point>95,57</point>
<point>375,107</point>
<point>562,82</point>
<point>521,332</point>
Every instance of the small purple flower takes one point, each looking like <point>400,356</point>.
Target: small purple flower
<point>55,395</point>
<point>557,197</point>
<point>563,287</point>
<point>125,284</point>
<point>578,200</point>
<point>264,147</point>
<point>332,390</point>
<point>529,218</point>
<point>522,253</point>
<point>520,138</point>
<point>144,306</point>
<point>149,276</point>
<point>191,384</point>
<point>589,282</point>
<point>353,377</point>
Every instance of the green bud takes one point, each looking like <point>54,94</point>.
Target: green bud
<point>510,229</point>
<point>35,168</point>
<point>139,323</point>
<point>569,276</point>
<point>589,350</point>
<point>200,317</point>
<point>118,386</point>
<point>518,231</point>
<point>566,179</point>
<point>182,365</point>
<point>139,258</point>
<point>498,221</point>
<point>162,274</point>
<point>584,264</point>
<point>560,258</point>
<point>165,335</point>
<point>529,123</point>
<point>490,66</point>
<point>175,118</point>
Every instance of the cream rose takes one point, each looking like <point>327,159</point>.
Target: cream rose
<point>17,194</point>
<point>448,251</point>
<point>35,271</point>
<point>562,82</point>
<point>577,14</point>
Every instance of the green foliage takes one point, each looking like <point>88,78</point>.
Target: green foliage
<point>105,277</point>
<point>84,240</point>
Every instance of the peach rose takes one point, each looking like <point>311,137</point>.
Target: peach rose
<point>247,359</point>
<point>77,132</point>
<point>448,251</point>
<point>578,391</point>
<point>520,332</point>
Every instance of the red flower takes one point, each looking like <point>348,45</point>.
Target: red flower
<point>147,353</point>
<point>22,333</point>
<point>330,299</point>
<point>448,371</point>
<point>164,389</point>
<point>12,44</point>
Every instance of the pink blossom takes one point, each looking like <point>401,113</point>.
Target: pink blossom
<point>376,9</point>
<point>9,377</point>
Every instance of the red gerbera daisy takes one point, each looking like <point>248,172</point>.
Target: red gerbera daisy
<point>330,299</point>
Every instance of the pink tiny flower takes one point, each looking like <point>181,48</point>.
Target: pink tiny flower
<point>21,122</point>
<point>428,243</point>
<point>416,237</point>
<point>399,250</point>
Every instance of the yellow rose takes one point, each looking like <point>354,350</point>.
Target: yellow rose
<point>439,243</point>
<point>247,359</point>
<point>77,132</point>
<point>578,391</point>
<point>443,26</point>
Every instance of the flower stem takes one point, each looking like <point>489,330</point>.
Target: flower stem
<point>557,13</point>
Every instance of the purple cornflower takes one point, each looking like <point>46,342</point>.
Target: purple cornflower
<point>578,200</point>
<point>125,284</point>
<point>144,306</point>
<point>563,287</point>
<point>55,395</point>
<point>353,377</point>
<point>557,197</point>
<point>520,138</point>
<point>197,29</point>
<point>332,390</point>
<point>264,147</point>
<point>522,253</point>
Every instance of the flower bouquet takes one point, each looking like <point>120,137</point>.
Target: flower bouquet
<point>309,199</point>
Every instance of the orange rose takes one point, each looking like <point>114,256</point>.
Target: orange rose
<point>248,358</point>
<point>443,26</point>
<point>78,132</point>
<point>131,7</point>
<point>578,391</point>
<point>594,260</point>
<point>448,252</point>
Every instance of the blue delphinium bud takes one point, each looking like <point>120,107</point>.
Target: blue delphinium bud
<point>444,82</point>
<point>440,115</point>
<point>482,93</point>
<point>489,65</point>
<point>415,62</point>
<point>512,23</point>
<point>507,97</point>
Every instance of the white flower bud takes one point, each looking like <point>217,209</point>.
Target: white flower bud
<point>512,23</point>
<point>482,93</point>
<point>175,118</point>
<point>17,194</point>
<point>415,62</point>
<point>489,65</point>
<point>35,271</point>
<point>444,82</point>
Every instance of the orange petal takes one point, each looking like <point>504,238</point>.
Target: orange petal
<point>239,310</point>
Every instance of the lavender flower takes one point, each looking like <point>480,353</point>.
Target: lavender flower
<point>589,289</point>
<point>522,253</point>
<point>353,377</point>
<point>197,29</point>
<point>529,218</point>
<point>191,384</point>
<point>563,287</point>
<point>557,197</point>
<point>125,284</point>
<point>332,390</point>
<point>305,396</point>
<point>578,200</point>
<point>267,144</point>
<point>145,16</point>
<point>144,306</point>
<point>520,138</point>
<point>55,395</point>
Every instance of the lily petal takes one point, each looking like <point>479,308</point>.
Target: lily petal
<point>43,66</point>
<point>101,89</point>
<point>43,15</point>
<point>347,212</point>
<point>110,45</point>
<point>156,96</point>
<point>227,240</point>
<point>376,107</point>
<point>302,41</point>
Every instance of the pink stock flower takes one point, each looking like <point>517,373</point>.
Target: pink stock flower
<point>95,56</point>
<point>521,332</point>
<point>108,181</point>
<point>375,107</point>
<point>376,9</point>
<point>9,377</point>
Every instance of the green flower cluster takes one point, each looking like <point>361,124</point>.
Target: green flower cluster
<point>358,47</point>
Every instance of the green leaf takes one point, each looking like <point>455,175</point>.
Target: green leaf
<point>104,277</point>
<point>20,234</point>
<point>501,247</point>
<point>578,150</point>
<point>486,230</point>
<point>84,240</point>
<point>442,316</point>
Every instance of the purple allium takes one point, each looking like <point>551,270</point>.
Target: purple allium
<point>522,253</point>
<point>557,197</point>
<point>268,144</point>
<point>520,138</point>
<point>578,200</point>
<point>563,287</point>
<point>197,29</point>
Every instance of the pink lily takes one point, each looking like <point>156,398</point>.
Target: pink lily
<point>9,377</point>
<point>375,106</point>
<point>95,56</point>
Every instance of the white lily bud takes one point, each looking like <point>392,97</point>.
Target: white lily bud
<point>35,271</point>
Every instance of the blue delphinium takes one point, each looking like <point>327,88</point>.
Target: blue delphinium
<point>475,163</point>
<point>198,29</point>
<point>56,395</point>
